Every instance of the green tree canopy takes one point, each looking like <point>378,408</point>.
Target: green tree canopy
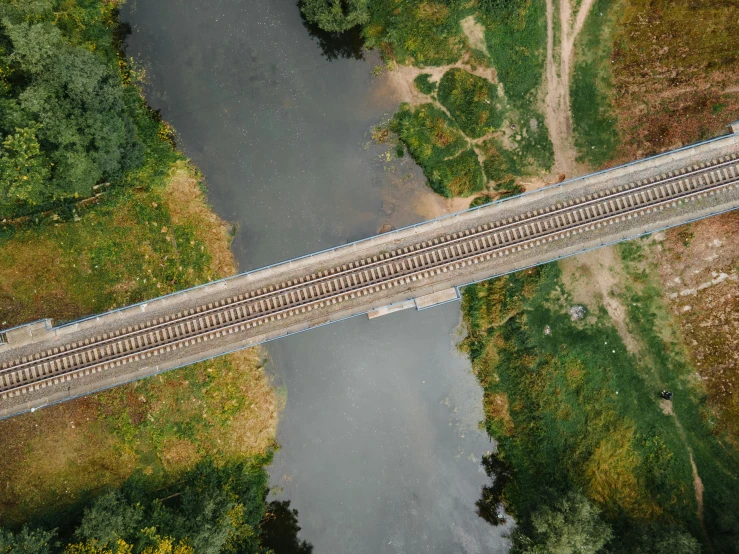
<point>335,16</point>
<point>572,525</point>
<point>65,117</point>
<point>26,541</point>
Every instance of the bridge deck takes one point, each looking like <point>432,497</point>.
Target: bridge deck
<point>41,364</point>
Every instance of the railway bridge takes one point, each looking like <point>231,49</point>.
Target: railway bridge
<point>418,266</point>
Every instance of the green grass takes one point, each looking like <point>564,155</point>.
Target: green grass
<point>717,462</point>
<point>436,144</point>
<point>516,41</point>
<point>472,101</point>
<point>418,32</point>
<point>423,84</point>
<point>581,412</point>
<point>500,163</point>
<point>593,115</point>
<point>516,38</point>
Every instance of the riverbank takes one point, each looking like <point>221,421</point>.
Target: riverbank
<point>148,231</point>
<point>572,356</point>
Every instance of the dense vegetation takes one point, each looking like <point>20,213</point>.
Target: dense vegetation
<point>211,509</point>
<point>435,142</point>
<point>68,123</point>
<point>472,102</point>
<point>575,413</point>
<point>168,464</point>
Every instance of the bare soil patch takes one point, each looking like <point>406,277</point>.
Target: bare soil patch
<point>475,33</point>
<point>596,278</point>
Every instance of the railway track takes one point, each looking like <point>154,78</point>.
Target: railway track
<point>363,277</point>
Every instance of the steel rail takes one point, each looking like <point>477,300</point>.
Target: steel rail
<point>403,278</point>
<point>464,235</point>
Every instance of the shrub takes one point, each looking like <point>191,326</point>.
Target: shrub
<point>435,143</point>
<point>423,84</point>
<point>471,100</point>
<point>458,176</point>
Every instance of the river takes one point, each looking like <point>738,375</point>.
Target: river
<point>380,445</point>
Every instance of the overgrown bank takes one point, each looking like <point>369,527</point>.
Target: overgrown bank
<point>99,210</point>
<point>577,416</point>
<point>476,124</point>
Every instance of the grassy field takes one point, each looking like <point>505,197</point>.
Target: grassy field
<point>675,67</point>
<point>593,116</point>
<point>572,408</point>
<point>130,247</point>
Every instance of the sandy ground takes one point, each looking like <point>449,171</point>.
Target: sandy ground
<point>475,33</point>
<point>595,278</point>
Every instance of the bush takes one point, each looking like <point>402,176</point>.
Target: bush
<point>435,143</point>
<point>335,16</point>
<point>423,84</point>
<point>67,121</point>
<point>458,176</point>
<point>420,32</point>
<point>472,101</point>
<point>428,132</point>
<point>499,163</point>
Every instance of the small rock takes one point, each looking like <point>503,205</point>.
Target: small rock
<point>388,207</point>
<point>547,330</point>
<point>386,228</point>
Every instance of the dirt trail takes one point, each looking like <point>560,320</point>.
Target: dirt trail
<point>557,103</point>
<point>666,407</point>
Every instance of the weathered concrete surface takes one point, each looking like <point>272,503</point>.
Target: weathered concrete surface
<point>43,337</point>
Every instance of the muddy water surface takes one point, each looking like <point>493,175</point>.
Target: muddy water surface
<point>380,446</point>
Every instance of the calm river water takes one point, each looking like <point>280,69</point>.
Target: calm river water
<point>380,446</point>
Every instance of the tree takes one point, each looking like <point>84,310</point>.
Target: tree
<point>212,510</point>
<point>335,16</point>
<point>26,541</point>
<point>24,170</point>
<point>655,539</point>
<point>65,116</point>
<point>112,519</point>
<point>572,525</point>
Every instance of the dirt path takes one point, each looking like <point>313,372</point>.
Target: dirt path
<point>557,102</point>
<point>666,407</point>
